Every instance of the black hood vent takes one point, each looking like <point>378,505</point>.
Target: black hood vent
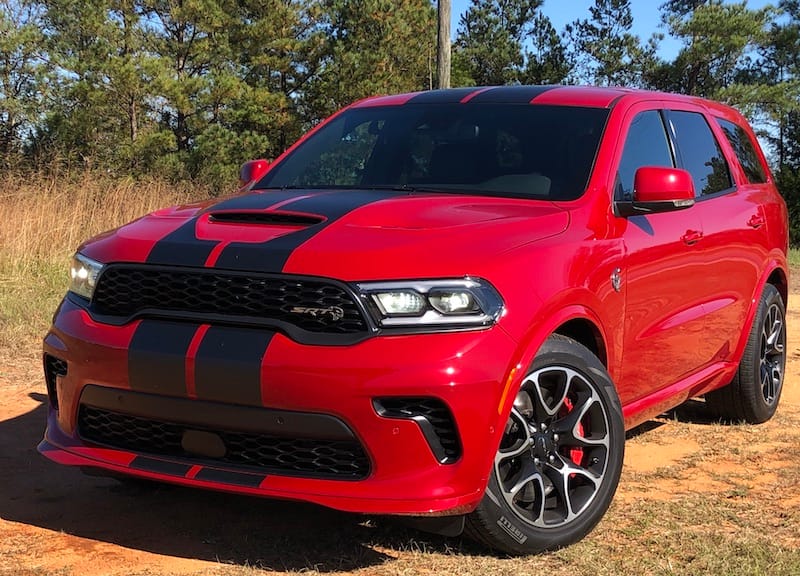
<point>275,218</point>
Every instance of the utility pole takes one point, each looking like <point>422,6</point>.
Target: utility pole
<point>443,52</point>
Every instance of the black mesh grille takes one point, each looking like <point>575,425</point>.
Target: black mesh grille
<point>53,367</point>
<point>312,305</point>
<point>438,416</point>
<point>337,459</point>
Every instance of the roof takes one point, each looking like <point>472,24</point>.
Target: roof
<point>563,95</point>
<point>588,96</point>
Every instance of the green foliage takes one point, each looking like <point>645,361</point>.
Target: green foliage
<point>373,47</point>
<point>194,88</point>
<point>100,82</point>
<point>607,52</point>
<point>21,70</point>
<point>490,36</point>
<point>549,61</point>
<point>717,40</point>
<point>788,181</point>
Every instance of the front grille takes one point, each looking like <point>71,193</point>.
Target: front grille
<point>313,305</point>
<point>434,418</point>
<point>308,457</point>
<point>53,368</point>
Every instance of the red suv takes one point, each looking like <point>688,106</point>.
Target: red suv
<point>448,305</point>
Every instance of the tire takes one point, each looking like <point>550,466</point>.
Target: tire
<point>560,457</point>
<point>754,393</point>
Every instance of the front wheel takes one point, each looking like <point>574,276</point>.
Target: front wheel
<point>560,457</point>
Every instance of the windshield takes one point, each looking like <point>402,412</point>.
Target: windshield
<point>531,151</point>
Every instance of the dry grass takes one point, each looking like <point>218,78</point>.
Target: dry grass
<point>44,218</point>
<point>52,215</point>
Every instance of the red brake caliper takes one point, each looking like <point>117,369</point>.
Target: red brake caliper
<point>575,454</point>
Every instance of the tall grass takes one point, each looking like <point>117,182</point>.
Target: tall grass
<point>42,220</point>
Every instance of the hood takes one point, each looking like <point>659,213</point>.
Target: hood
<point>345,234</point>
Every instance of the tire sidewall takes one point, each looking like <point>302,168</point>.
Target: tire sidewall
<point>750,376</point>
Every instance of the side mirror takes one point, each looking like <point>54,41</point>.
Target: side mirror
<point>657,189</point>
<point>252,171</point>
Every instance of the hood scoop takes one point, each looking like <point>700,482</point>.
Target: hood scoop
<point>266,218</point>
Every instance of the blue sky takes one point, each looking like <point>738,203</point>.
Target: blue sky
<point>646,17</point>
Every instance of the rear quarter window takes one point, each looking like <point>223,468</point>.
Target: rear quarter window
<point>745,151</point>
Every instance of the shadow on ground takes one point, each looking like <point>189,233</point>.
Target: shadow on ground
<point>188,523</point>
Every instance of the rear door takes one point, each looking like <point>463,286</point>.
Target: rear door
<point>730,207</point>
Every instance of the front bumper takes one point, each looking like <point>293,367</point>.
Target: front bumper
<point>466,371</point>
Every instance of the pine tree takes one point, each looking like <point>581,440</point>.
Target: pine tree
<point>103,83</point>
<point>717,38</point>
<point>549,62</point>
<point>491,40</point>
<point>607,51</point>
<point>21,74</point>
<point>373,47</point>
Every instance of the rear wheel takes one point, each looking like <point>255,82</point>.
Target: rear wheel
<point>754,393</point>
<point>560,457</point>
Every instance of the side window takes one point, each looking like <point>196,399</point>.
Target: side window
<point>645,145</point>
<point>700,153</point>
<point>745,151</point>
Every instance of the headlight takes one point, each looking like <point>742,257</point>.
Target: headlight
<point>463,302</point>
<point>83,275</point>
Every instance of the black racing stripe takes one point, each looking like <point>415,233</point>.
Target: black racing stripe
<point>451,96</point>
<point>227,365</point>
<point>159,466</point>
<point>182,247</point>
<point>228,477</point>
<point>271,256</point>
<point>260,200</point>
<point>511,94</point>
<point>157,357</point>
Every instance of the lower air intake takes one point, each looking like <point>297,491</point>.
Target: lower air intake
<point>304,457</point>
<point>434,419</point>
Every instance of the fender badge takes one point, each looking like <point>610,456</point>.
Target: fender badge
<point>616,279</point>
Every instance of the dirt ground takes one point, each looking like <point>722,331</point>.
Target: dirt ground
<point>55,520</point>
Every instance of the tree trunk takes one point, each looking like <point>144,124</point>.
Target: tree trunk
<point>133,122</point>
<point>443,54</point>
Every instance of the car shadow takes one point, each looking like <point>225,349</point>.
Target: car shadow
<point>693,411</point>
<point>190,523</point>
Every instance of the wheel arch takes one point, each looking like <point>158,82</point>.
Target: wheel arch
<point>587,333</point>
<point>775,274</point>
<point>778,278</point>
<point>577,322</point>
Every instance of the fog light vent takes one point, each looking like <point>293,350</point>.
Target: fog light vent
<point>53,368</point>
<point>434,419</point>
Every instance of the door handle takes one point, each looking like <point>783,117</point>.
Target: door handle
<point>692,237</point>
<point>756,221</point>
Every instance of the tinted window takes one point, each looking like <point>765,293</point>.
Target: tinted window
<point>497,149</point>
<point>745,151</point>
<point>646,144</point>
<point>700,153</point>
